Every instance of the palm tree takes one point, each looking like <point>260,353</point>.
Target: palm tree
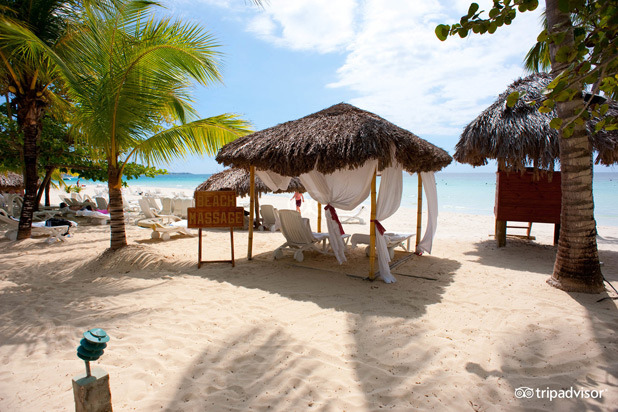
<point>27,28</point>
<point>577,267</point>
<point>129,75</point>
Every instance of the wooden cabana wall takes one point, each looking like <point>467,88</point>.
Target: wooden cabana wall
<point>526,197</point>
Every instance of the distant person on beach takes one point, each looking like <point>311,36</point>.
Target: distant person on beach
<point>299,200</point>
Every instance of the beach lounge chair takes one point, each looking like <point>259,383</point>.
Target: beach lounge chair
<point>354,217</point>
<point>298,235</point>
<point>150,213</point>
<point>166,206</point>
<point>101,203</point>
<point>94,216</point>
<point>164,231</point>
<point>270,217</point>
<point>393,240</point>
<point>54,233</point>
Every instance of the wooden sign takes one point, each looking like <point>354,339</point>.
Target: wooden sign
<point>216,200</point>
<point>215,209</point>
<point>215,217</point>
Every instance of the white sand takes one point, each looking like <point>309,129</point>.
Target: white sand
<point>460,330</point>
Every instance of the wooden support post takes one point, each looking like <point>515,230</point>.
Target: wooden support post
<point>319,217</point>
<point>372,228</point>
<point>232,243</point>
<point>92,393</point>
<point>501,232</point>
<point>199,248</point>
<point>419,210</point>
<point>251,210</point>
<point>258,218</point>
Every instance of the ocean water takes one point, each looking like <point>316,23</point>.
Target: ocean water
<point>470,193</point>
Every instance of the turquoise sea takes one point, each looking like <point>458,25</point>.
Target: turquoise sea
<point>471,193</point>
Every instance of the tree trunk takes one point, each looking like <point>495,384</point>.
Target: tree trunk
<point>116,209</point>
<point>30,110</point>
<point>577,267</point>
<point>47,201</point>
<point>44,187</point>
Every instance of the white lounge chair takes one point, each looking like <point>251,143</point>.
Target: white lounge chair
<point>101,203</point>
<point>393,240</point>
<point>94,216</point>
<point>163,231</point>
<point>53,233</point>
<point>149,213</point>
<point>298,235</point>
<point>166,206</point>
<point>270,219</point>
<point>353,218</point>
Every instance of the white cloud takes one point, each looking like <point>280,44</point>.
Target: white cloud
<point>400,70</point>
<point>320,25</point>
<point>394,62</point>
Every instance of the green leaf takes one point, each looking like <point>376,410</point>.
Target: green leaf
<point>604,108</point>
<point>555,123</point>
<point>493,13</point>
<point>473,9</point>
<point>599,125</point>
<point>563,6</point>
<point>492,27</point>
<point>512,99</point>
<point>542,36</point>
<point>442,31</point>
<point>532,5</point>
<point>463,32</point>
<point>545,109</point>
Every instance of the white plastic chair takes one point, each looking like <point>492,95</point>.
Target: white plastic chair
<point>298,235</point>
<point>269,217</point>
<point>353,218</point>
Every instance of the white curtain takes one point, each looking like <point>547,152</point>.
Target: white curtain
<point>343,189</point>
<point>273,180</point>
<point>389,199</point>
<point>431,193</point>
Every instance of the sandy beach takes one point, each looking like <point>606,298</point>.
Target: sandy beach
<point>461,329</point>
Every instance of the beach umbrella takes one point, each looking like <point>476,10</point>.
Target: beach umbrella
<point>520,136</point>
<point>11,181</point>
<point>337,139</point>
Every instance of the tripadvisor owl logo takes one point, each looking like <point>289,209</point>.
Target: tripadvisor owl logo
<point>524,392</point>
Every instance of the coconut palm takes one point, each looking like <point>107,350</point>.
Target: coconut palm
<point>129,75</point>
<point>28,30</point>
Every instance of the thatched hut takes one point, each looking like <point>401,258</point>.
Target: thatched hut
<point>238,180</point>
<point>10,182</point>
<point>521,140</point>
<point>520,136</point>
<point>336,147</point>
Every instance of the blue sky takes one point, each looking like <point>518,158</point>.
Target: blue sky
<point>295,57</point>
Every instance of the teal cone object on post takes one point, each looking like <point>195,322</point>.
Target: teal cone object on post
<point>91,346</point>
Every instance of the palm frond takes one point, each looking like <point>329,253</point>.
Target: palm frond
<point>204,136</point>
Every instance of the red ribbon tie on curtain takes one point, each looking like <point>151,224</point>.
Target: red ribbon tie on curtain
<point>379,226</point>
<point>333,215</point>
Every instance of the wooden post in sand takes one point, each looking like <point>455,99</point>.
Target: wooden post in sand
<point>319,217</point>
<point>251,210</point>
<point>419,209</point>
<point>372,228</point>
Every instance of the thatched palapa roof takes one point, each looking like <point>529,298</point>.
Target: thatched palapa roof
<point>520,136</point>
<point>334,138</point>
<point>238,180</point>
<point>11,180</point>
